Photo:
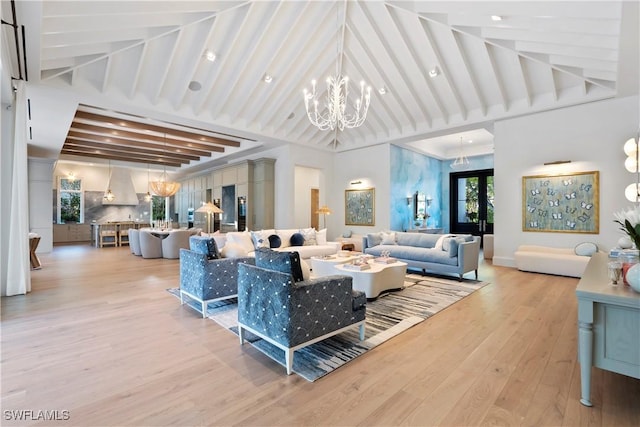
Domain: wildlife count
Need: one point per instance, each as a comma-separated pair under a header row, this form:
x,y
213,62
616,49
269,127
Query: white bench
x,y
544,259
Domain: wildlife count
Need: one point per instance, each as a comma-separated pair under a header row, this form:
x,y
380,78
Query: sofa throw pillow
x,y
285,236
388,238
242,238
451,244
321,237
233,250
441,239
284,262
309,235
586,249
374,239
274,241
297,239
260,239
204,245
346,234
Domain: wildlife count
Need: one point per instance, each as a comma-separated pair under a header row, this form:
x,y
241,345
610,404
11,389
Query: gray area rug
x,y
387,316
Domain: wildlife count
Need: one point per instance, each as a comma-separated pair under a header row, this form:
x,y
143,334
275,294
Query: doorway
x,y
315,205
472,202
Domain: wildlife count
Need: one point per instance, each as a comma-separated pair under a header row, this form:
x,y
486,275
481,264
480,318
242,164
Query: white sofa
x,y
544,259
244,243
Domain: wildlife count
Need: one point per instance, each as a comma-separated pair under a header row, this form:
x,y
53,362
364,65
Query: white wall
x,y
591,136
305,180
40,196
95,177
372,166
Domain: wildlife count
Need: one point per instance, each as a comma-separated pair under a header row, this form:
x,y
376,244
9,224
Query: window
x,y
158,206
70,200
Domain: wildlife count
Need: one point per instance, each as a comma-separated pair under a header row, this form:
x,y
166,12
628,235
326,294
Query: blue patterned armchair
x,y
276,304
205,278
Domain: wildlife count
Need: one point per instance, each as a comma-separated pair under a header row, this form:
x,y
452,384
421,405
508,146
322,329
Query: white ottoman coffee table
x,y
378,278
325,266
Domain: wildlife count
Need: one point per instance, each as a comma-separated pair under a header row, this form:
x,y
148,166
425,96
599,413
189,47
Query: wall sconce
x,y
355,182
557,162
429,200
409,201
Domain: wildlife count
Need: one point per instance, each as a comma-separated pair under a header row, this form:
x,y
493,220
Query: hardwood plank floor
x,y
101,338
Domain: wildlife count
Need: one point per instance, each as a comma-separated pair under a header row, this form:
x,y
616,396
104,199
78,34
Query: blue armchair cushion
x,y
275,241
209,279
204,245
284,262
297,239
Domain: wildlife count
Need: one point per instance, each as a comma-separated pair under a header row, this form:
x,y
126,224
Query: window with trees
x,y
70,200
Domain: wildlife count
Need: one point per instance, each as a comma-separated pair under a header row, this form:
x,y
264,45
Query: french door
x,y
471,202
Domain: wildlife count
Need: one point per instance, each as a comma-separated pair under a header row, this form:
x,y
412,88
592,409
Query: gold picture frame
x,y
566,203
360,207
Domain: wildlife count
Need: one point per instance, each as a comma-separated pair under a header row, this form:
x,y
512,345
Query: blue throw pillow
x,y
284,262
204,245
274,241
297,239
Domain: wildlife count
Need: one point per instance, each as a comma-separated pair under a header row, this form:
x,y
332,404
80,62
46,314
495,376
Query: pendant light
x,y
109,196
461,162
147,197
163,187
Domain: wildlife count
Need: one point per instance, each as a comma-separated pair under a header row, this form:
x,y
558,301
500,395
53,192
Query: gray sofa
x,y
436,253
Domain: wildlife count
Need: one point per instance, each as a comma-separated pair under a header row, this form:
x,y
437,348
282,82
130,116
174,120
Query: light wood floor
x,y
99,336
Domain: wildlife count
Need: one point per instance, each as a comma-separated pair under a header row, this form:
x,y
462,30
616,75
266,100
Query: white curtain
x,y
18,267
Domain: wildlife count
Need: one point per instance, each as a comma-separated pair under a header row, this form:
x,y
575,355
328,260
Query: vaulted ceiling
x,y
446,67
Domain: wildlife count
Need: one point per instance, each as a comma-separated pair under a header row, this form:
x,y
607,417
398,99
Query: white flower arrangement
x,y
629,221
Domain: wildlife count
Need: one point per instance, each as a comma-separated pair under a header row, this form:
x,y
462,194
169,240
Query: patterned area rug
x,y
387,316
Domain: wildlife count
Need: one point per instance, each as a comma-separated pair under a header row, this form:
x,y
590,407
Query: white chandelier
x,y
336,115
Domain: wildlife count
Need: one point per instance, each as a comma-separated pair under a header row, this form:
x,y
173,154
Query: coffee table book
x,y
385,260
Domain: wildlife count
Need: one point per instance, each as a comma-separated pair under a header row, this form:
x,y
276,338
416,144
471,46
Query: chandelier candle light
x,y
336,115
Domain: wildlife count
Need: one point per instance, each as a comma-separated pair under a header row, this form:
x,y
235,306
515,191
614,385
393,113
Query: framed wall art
x,y
567,203
359,207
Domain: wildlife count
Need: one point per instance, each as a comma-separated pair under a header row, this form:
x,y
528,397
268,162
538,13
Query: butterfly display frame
x,y
360,207
566,203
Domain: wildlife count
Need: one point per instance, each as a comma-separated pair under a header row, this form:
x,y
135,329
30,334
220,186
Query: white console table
x,y
608,325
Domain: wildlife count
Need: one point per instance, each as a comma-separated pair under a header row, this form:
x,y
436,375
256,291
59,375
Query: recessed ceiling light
x,y
470,141
195,85
496,18
382,90
434,72
268,78
210,55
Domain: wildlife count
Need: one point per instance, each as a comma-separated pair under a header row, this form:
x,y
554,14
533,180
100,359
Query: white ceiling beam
x,y
162,74
470,74
375,60
138,74
192,64
265,17
383,37
105,79
524,80
222,63
547,37
496,75
443,67
304,54
253,85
